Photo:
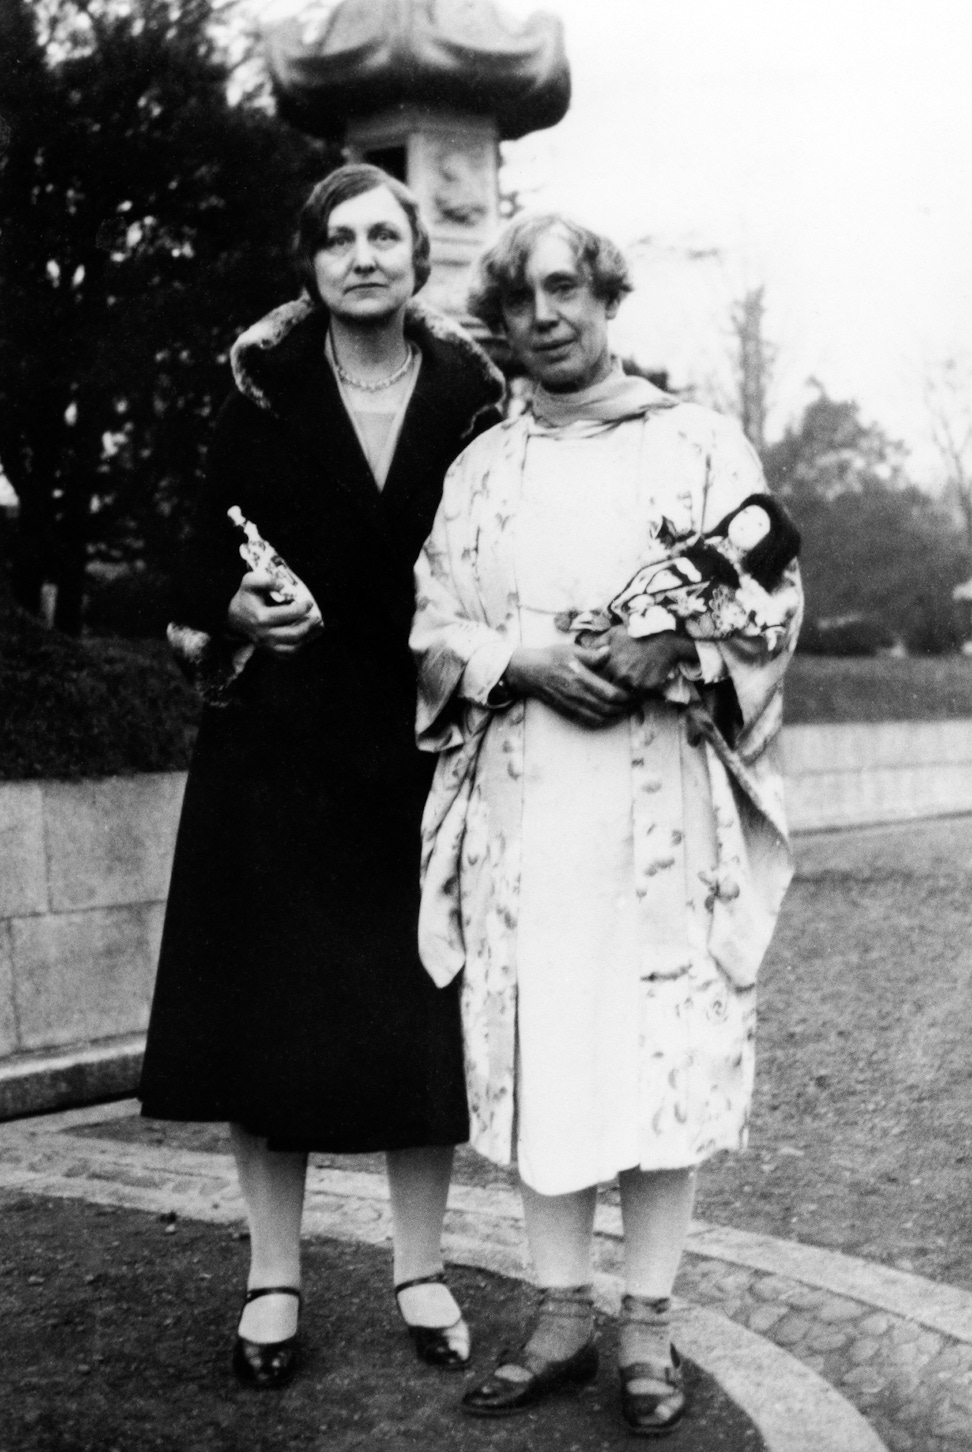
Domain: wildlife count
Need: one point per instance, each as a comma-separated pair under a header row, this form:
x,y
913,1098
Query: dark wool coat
x,y
290,996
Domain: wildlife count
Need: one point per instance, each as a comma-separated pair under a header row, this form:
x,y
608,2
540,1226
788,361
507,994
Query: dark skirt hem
x,y
316,1141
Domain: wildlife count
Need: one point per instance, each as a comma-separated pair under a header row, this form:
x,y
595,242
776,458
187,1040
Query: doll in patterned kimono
x,y
707,586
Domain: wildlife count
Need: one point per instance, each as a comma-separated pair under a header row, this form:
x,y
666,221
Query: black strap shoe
x,y
536,1374
501,1396
267,1365
655,1410
437,1345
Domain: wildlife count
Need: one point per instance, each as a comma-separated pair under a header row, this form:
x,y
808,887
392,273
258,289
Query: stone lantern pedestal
x,y
451,163
426,89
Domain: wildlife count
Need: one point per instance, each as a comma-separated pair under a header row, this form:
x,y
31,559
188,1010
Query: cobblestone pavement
x,y
898,1347
913,1384
825,1352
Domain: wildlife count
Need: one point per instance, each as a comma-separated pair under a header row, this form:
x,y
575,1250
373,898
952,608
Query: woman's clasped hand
x,y
595,685
644,666
569,679
280,628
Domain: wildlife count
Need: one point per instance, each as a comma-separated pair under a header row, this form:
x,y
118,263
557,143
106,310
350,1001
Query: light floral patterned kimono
x,y
704,858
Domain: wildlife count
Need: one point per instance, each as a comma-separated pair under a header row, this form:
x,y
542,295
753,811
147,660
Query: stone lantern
x,y
426,89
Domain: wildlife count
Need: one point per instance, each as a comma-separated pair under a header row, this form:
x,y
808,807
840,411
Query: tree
x,y
948,394
25,108
754,365
875,548
145,221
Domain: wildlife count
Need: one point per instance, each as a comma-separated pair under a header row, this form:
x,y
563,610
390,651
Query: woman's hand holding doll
x,y
642,665
279,628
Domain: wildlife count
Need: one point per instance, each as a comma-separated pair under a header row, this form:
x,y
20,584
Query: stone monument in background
x,y
426,89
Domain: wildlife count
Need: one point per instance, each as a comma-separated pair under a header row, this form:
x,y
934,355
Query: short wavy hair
x,y
502,269
354,180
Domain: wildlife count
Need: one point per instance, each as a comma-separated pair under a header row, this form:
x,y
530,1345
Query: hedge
x,y
92,707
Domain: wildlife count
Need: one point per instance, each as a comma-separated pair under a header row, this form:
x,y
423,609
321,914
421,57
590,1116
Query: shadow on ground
x,y
119,1331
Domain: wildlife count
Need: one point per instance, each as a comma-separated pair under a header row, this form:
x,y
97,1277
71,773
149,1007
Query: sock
x,y
565,1323
645,1332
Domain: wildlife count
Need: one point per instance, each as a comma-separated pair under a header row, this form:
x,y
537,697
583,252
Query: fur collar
x,y
256,352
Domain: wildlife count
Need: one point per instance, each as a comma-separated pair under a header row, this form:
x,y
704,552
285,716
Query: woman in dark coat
x,y
290,999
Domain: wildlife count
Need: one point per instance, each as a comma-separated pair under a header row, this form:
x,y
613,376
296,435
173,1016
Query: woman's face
x,y
556,326
747,528
364,268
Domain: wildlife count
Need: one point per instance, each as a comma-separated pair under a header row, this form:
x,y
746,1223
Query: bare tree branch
x,y
754,365
948,398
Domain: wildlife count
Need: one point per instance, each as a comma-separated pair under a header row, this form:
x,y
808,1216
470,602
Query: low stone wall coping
x,y
863,746
862,774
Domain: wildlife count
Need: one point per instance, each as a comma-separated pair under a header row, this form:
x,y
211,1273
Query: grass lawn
x,y
878,688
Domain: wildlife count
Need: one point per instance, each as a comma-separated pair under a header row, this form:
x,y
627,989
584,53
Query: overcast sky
x,y
820,149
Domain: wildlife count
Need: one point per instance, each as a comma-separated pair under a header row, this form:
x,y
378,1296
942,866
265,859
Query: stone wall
x,y
856,775
84,869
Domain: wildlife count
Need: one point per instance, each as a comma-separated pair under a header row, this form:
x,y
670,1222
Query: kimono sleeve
x,y
755,668
450,630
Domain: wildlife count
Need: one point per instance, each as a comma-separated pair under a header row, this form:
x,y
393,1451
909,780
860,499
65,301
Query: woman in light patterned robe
x,y
605,851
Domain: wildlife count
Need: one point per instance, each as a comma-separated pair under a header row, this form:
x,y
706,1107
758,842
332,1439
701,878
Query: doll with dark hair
x,y
707,586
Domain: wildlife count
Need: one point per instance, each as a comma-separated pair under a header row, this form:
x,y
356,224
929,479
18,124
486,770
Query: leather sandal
x,y
503,1396
266,1365
432,1343
654,1412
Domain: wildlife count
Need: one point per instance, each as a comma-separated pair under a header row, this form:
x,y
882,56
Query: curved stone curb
x,y
795,1409
947,1309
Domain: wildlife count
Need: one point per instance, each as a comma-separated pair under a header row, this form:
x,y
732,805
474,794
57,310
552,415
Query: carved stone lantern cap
x,y
331,62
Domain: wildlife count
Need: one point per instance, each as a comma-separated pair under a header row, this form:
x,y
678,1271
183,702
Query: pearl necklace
x,y
382,383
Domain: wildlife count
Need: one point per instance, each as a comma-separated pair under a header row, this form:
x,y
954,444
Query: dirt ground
x,y
118,1337
863,1106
